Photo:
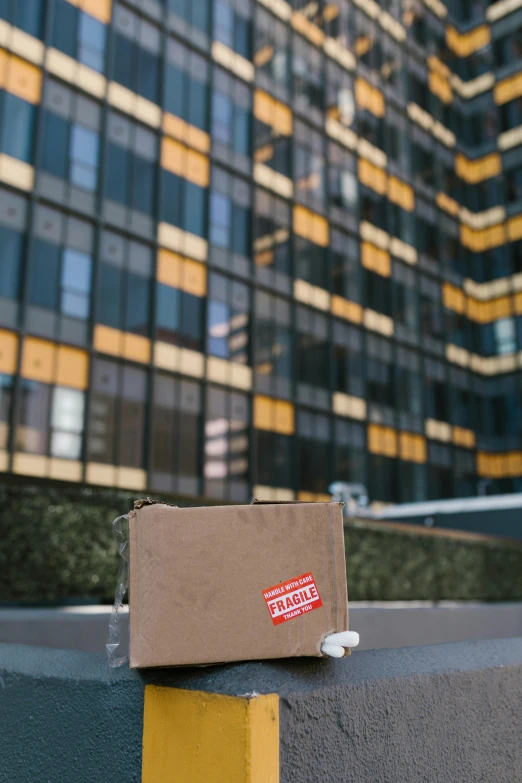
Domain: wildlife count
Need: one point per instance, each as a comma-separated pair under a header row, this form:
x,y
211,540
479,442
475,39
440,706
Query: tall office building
x,y
252,247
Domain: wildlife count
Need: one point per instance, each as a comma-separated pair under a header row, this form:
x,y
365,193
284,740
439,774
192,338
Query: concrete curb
x,y
439,713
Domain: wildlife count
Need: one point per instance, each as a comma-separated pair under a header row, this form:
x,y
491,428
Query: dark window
x,y
117,415
228,319
309,166
271,233
11,245
130,177
227,464
313,449
273,355
230,216
186,85
6,394
345,267
350,451
124,285
26,15
18,126
176,433
78,35
348,359
312,355
232,26
274,459
195,14
135,60
272,50
307,68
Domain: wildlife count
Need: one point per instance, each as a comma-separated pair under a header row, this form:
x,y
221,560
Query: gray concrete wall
x,y
435,714
65,717
379,624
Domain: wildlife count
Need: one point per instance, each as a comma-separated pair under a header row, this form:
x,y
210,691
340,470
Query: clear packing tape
x,y
120,528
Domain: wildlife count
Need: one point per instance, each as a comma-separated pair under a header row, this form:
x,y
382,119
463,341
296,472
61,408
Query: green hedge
x,y
56,545
390,565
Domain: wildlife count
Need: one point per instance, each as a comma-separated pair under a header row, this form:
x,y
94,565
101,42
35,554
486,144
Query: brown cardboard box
x,y
234,583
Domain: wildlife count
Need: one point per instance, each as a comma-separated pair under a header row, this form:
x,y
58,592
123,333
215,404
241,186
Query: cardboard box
x,y
234,583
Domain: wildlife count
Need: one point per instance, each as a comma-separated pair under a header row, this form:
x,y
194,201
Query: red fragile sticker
x,y
292,598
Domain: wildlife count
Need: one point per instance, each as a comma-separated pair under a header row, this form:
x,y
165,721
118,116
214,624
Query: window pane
x,y
137,306
76,270
54,145
67,410
194,208
10,252
117,181
18,122
91,36
109,309
33,427
84,145
218,328
44,275
63,34
6,390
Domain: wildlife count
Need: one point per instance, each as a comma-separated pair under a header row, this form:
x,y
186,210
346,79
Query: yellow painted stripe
x,y
197,737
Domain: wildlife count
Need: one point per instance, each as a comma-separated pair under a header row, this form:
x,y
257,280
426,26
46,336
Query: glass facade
x,y
251,247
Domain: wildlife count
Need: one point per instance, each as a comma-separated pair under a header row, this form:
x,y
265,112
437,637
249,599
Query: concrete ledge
x,y
440,713
386,624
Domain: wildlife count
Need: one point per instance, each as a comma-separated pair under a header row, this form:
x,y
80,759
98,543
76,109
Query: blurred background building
x,y
250,248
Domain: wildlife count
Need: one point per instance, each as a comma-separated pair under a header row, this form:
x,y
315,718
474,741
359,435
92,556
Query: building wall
x,y
249,248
